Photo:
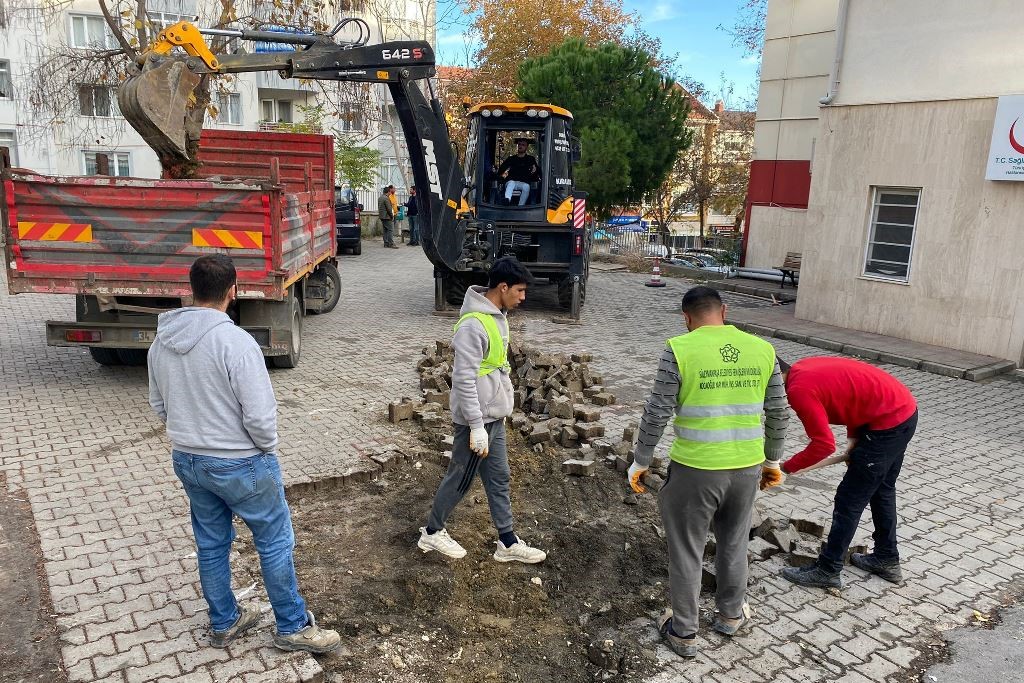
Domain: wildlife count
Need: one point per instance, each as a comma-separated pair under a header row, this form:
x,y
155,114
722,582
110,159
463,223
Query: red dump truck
x,y
123,246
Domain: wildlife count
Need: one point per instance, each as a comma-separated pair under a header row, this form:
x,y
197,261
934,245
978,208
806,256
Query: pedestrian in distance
x,y
386,211
715,383
412,210
208,383
481,400
880,415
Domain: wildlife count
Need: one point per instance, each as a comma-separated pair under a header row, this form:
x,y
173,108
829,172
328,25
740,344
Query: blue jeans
x,y
414,231
250,488
870,479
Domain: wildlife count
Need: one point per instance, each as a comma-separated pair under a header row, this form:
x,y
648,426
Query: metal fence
x,y
628,241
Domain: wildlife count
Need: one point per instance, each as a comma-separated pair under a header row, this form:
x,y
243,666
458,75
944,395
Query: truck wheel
x,y
571,297
133,357
455,289
295,347
439,302
104,356
332,286
358,249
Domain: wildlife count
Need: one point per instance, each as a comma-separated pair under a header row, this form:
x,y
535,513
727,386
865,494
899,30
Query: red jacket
x,y
842,391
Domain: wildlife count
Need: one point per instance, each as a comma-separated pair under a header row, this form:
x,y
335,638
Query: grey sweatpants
x,y
691,502
462,470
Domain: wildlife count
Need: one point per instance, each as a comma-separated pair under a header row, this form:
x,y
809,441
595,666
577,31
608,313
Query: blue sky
x,y
687,29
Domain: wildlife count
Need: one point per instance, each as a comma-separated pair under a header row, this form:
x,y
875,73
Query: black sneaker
x,y
890,571
812,576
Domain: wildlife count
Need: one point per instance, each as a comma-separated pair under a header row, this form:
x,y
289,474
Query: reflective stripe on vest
x,y
723,375
497,351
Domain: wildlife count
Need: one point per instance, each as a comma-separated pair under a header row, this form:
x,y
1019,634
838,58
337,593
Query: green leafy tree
x,y
353,163
628,116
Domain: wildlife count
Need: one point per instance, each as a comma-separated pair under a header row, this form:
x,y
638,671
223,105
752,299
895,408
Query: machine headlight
x,y
485,112
497,112
544,113
532,113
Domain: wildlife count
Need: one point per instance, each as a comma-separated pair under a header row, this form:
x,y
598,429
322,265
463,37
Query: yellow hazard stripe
x,y
227,239
54,232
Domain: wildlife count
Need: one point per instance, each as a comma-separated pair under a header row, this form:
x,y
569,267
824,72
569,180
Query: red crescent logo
x,y
1013,142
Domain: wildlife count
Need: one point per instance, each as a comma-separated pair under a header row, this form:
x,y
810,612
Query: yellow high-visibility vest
x,y
497,349
723,375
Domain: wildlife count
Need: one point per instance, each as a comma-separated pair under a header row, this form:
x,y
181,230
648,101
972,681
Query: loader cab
x,y
518,162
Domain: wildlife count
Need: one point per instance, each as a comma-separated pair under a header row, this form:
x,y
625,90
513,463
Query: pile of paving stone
x,y
799,540
558,402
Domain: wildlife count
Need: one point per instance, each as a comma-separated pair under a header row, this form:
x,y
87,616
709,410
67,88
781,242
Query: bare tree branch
x,y
115,30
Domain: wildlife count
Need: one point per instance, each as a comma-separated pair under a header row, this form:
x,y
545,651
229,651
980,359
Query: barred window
x,y
891,240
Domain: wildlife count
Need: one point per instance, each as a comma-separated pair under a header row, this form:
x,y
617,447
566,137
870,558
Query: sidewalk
x,y
781,322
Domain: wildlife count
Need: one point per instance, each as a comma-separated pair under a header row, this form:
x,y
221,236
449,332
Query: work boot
x,y
812,576
442,542
888,570
248,617
519,552
684,647
310,639
729,627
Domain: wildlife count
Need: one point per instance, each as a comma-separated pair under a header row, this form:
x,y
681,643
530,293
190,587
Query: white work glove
x,y
633,478
479,442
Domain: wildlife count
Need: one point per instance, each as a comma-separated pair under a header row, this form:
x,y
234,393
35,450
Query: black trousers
x,y
870,479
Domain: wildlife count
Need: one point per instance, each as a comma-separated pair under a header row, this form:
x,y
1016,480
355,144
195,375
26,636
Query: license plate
x,y
144,336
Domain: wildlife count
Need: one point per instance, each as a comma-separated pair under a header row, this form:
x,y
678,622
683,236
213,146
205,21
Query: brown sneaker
x,y
684,647
310,639
248,617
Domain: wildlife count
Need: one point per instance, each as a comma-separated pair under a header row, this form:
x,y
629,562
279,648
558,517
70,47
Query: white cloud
x,y
663,11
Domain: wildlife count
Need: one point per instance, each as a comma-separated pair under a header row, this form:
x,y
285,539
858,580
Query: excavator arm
x,y
156,101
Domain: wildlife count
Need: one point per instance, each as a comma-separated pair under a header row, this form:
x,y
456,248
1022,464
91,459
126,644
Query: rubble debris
x,y
580,468
809,526
708,580
399,411
760,549
710,546
803,555
786,538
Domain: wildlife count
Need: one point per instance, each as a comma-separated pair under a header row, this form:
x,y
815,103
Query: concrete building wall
x,y
967,263
779,231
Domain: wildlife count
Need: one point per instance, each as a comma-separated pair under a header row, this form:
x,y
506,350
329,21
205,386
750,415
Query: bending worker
x,y
880,415
717,381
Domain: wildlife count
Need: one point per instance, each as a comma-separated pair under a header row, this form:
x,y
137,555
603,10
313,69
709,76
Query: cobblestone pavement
x,y
80,439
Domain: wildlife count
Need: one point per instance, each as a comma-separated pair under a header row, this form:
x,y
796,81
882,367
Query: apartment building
x,y
83,132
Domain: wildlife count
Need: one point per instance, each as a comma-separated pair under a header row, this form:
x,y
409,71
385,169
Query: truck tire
x,y
455,289
133,357
104,356
358,249
295,347
332,283
565,293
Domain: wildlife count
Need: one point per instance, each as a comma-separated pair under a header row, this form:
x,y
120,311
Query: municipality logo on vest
x,y
730,354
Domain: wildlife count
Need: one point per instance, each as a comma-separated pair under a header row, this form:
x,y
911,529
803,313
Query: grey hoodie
x,y
478,400
208,381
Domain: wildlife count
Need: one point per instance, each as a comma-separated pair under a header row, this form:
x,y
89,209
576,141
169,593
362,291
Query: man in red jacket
x,y
880,415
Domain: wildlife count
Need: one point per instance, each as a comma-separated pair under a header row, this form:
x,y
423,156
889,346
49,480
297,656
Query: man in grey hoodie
x,y
481,399
208,382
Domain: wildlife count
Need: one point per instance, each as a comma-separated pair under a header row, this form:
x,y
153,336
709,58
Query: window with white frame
x,y
106,163
9,140
350,118
91,31
161,20
276,111
229,107
97,100
891,238
6,86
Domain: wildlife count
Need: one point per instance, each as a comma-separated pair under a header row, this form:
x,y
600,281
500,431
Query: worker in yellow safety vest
x,y
481,398
716,383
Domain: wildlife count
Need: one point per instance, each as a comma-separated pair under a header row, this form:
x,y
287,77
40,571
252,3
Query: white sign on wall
x,y
1006,152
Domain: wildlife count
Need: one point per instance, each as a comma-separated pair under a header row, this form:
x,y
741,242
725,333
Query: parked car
x,y
346,220
702,261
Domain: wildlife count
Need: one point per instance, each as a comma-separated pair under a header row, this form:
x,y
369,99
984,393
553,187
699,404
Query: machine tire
x,y
133,357
333,284
358,249
103,356
295,348
565,293
455,289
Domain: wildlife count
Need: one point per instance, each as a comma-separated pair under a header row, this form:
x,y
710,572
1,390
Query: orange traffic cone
x,y
655,280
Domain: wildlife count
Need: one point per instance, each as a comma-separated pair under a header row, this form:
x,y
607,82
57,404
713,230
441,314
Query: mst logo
x,y
730,354
433,177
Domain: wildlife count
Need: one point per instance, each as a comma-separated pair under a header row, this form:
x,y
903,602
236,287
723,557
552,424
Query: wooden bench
x,y
790,267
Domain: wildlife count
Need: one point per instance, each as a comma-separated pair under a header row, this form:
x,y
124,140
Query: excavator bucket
x,y
156,102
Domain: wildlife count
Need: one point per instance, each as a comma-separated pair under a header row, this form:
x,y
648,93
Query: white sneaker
x,y
442,542
519,552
